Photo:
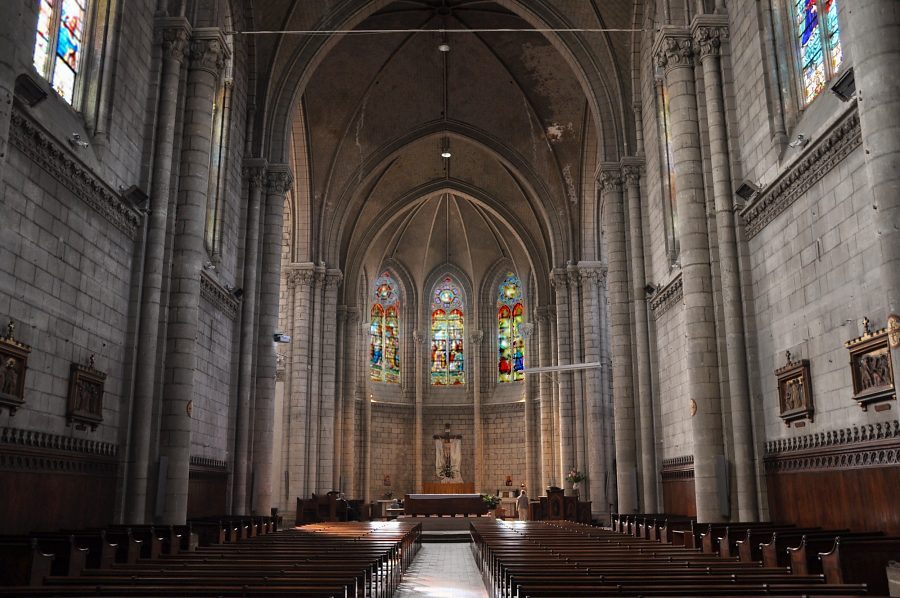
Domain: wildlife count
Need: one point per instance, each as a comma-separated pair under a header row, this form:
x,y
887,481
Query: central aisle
x,y
443,571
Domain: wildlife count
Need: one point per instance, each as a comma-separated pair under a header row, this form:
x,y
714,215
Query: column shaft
x,y
331,282
532,429
315,384
478,443
351,352
339,398
174,35
254,172
12,18
546,392
610,183
564,351
208,52
420,340
675,55
300,280
575,323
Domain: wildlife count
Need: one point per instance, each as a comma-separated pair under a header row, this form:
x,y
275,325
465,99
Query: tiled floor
x,y
443,571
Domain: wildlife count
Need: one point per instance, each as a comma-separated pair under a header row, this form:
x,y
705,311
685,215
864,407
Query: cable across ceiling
x,y
441,31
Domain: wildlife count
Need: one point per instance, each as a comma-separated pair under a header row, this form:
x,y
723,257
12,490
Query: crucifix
x,y
446,443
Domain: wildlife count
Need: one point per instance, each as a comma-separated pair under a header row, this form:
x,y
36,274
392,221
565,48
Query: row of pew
x,y
340,560
560,558
840,555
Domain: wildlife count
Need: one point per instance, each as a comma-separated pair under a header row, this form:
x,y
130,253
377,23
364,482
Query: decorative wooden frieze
x,y
820,159
873,445
33,451
677,468
795,399
199,463
218,296
60,163
13,365
85,404
871,368
669,295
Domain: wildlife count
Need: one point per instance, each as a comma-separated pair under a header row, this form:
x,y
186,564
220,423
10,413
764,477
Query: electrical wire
x,y
442,31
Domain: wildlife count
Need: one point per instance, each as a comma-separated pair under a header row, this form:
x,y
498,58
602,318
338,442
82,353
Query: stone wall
x,y
461,422
392,454
503,427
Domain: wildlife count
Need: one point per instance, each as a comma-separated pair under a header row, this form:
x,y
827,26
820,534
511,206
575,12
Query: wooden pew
x,y
22,563
861,560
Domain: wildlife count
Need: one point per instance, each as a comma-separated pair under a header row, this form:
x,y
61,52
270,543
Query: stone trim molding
x,y
199,463
677,468
33,451
218,296
41,148
820,159
667,296
871,445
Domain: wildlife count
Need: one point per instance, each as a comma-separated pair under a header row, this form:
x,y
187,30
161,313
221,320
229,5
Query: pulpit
x,y
556,506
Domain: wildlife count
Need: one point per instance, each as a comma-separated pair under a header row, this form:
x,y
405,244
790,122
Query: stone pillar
x,y
300,283
532,432
873,37
255,173
709,32
421,340
351,360
278,182
477,338
367,449
591,275
208,52
173,34
674,54
577,356
337,470
13,24
327,408
555,395
314,398
610,184
564,351
631,171
546,393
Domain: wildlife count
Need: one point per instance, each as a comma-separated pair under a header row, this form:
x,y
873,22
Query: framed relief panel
x,y
85,404
795,399
871,369
13,364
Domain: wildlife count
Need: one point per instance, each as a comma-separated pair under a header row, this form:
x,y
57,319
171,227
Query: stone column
x,y
674,54
546,393
314,474
477,337
576,320
873,37
555,395
300,282
255,173
564,351
367,449
532,432
351,353
420,339
327,406
339,398
13,24
174,35
278,183
631,171
208,52
610,184
709,32
591,275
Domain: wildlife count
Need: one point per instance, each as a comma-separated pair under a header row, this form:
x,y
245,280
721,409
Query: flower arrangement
x,y
574,476
490,500
446,471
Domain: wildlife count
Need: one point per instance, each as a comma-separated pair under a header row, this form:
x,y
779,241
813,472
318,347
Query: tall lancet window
x,y
510,320
384,332
818,43
447,327
59,44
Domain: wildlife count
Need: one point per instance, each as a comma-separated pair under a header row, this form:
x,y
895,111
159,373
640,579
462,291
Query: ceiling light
x,y
444,47
446,154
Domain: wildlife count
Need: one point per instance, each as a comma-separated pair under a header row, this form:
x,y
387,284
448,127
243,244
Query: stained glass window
x,y
819,44
58,43
384,332
667,171
447,328
510,320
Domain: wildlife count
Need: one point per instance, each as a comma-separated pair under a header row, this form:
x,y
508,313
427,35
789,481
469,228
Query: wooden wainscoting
x,y
207,488
51,482
679,496
844,478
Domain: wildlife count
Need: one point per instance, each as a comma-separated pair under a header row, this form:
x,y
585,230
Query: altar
x,y
448,488
444,504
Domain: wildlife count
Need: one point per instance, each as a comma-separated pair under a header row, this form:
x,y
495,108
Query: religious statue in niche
x,y
870,367
13,364
794,391
447,456
85,404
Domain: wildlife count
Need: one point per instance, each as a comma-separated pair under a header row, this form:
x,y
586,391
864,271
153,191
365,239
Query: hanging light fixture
x,y
445,148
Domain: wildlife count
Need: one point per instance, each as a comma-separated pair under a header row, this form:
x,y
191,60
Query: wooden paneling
x,y
207,492
679,496
860,499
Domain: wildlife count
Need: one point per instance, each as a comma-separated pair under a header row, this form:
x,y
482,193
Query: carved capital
x,y
477,336
675,51
543,314
300,277
173,34
209,51
419,337
527,330
610,181
254,170
352,315
333,278
278,181
708,41
559,278
574,276
631,174
593,274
